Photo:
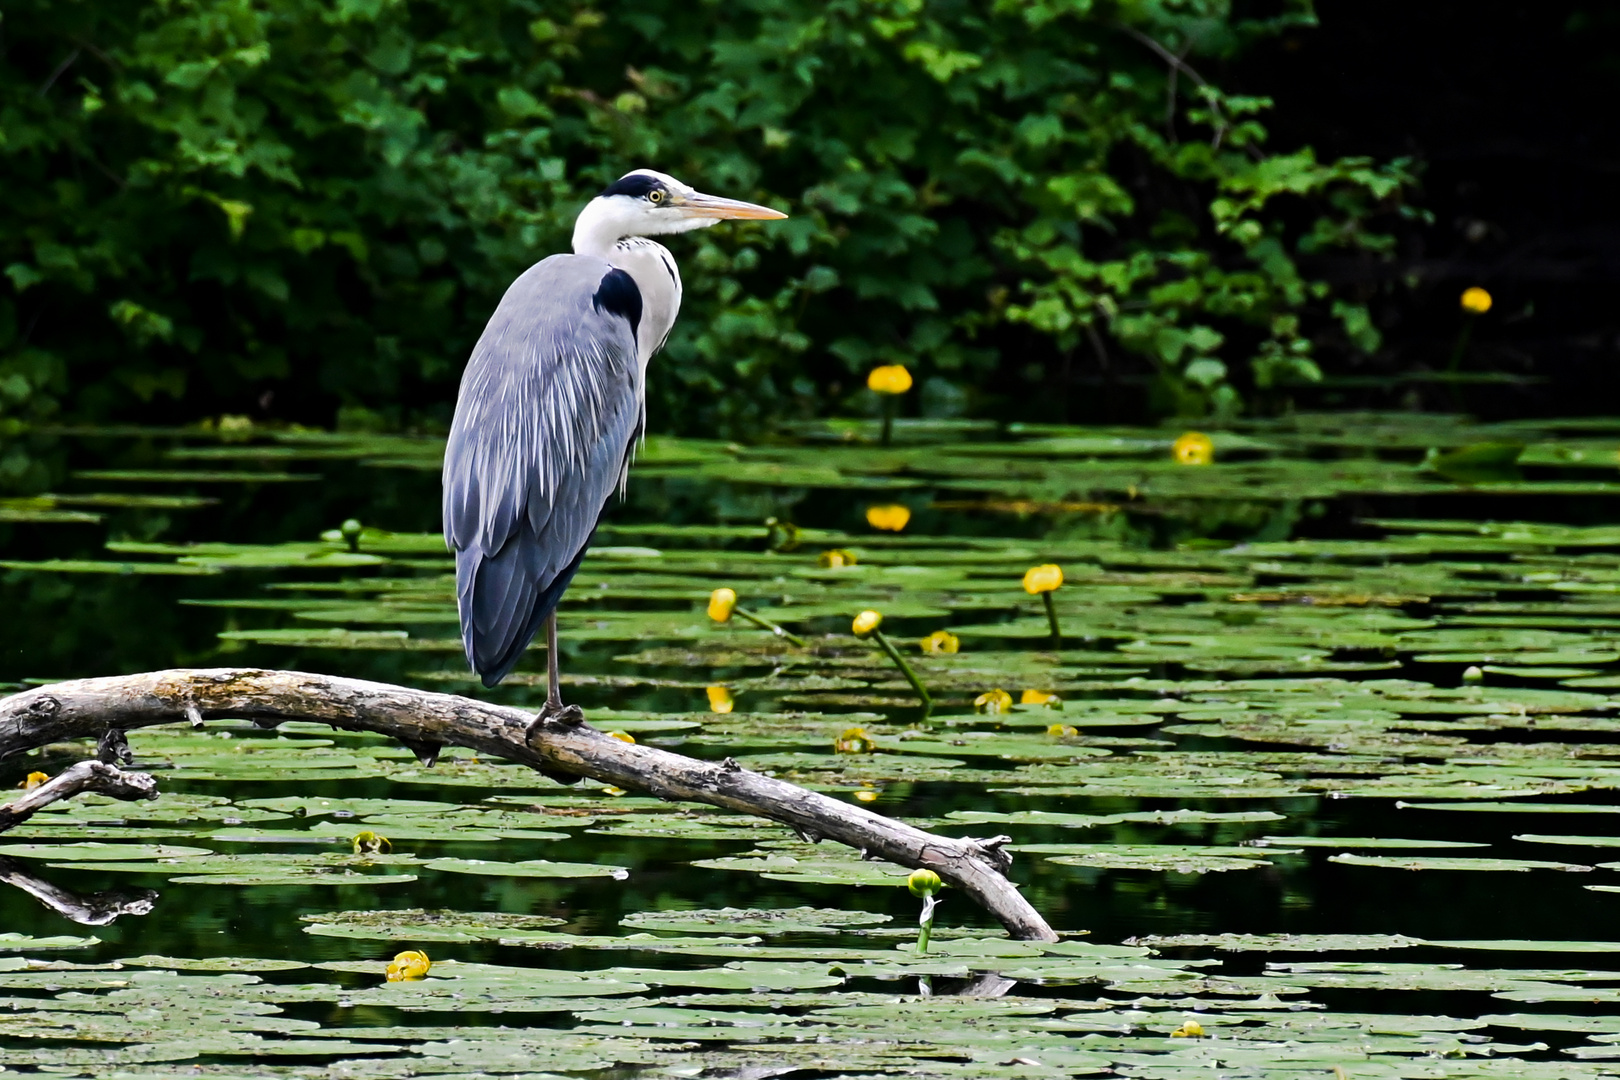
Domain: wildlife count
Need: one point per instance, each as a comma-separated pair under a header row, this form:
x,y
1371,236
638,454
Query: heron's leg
x,y
554,709
553,674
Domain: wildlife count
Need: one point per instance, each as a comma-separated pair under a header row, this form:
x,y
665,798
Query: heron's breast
x,y
652,268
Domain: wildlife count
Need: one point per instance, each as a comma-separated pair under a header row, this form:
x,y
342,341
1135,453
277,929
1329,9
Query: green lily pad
x,y
531,868
1310,943
799,920
1421,862
12,942
94,851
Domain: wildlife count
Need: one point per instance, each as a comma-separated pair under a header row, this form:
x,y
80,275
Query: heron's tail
x,y
504,600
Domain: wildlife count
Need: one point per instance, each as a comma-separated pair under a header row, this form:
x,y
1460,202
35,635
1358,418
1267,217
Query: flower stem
x,y
925,925
766,624
1051,617
1461,346
905,669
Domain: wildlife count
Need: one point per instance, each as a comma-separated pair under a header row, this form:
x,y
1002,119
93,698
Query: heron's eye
x,y
655,196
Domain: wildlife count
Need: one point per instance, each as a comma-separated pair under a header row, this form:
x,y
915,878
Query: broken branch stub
x,y
86,708
76,779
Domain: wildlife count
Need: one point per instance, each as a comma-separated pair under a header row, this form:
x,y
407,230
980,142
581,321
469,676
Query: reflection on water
x,y
1341,697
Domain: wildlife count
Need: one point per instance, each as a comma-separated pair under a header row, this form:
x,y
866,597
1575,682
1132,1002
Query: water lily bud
x,y
1039,697
865,623
1193,448
889,379
1039,579
836,559
721,603
720,700
410,965
1062,731
781,535
350,531
924,883
625,736
941,641
890,518
1475,300
370,843
993,701
1473,674
854,741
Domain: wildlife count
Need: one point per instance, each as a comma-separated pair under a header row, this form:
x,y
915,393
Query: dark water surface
x,y
1389,642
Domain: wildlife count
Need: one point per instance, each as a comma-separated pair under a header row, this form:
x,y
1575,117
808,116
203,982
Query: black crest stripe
x,y
636,185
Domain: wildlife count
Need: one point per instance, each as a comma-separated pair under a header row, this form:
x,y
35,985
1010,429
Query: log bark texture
x,y
85,776
88,708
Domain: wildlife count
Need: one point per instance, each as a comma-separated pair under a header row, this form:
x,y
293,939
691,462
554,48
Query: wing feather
x,y
549,406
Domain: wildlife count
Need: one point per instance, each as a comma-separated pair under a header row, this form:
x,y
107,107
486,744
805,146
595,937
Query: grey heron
x,y
552,404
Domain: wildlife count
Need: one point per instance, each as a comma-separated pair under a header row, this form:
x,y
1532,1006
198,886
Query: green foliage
x,y
211,199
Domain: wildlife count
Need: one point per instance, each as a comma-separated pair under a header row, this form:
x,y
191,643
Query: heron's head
x,y
648,203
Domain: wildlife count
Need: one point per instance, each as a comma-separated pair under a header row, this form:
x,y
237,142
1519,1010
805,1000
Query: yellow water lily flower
x,y
720,700
1475,300
1190,1029
924,883
891,517
1039,697
993,701
410,965
865,623
1062,731
34,780
1042,579
866,796
889,379
370,843
836,559
941,641
1193,448
854,741
721,604
625,736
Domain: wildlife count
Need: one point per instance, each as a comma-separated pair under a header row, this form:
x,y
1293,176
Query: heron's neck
x,y
598,227
607,220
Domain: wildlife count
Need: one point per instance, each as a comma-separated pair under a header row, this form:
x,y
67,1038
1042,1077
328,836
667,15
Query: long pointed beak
x,y
699,205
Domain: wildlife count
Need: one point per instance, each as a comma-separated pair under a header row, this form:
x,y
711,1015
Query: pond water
x,y
1328,766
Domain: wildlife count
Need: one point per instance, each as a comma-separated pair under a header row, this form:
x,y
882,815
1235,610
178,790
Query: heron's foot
x,y
566,715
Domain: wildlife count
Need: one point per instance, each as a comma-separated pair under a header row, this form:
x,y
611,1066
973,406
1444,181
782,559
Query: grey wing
x,y
550,406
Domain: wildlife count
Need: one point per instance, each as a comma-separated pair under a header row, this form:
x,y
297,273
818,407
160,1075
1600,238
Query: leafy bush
x,y
302,205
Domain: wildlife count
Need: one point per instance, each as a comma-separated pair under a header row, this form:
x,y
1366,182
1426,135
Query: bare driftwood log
x,y
89,708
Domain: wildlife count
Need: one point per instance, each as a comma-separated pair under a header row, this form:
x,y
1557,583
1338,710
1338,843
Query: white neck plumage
x,y
607,219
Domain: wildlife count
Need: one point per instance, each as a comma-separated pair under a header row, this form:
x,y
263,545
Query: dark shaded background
x,y
1509,112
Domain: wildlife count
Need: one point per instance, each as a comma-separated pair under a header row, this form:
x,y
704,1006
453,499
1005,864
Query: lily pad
x,y
1422,862
799,920
531,868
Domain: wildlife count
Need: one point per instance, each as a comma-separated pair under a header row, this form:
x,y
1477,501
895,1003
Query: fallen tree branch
x,y
87,708
85,776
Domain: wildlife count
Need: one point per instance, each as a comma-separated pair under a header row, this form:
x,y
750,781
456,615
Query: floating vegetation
x,y
1259,748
